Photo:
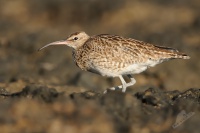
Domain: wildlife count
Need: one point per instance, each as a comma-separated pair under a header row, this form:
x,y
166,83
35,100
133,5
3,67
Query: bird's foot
x,y
113,89
123,86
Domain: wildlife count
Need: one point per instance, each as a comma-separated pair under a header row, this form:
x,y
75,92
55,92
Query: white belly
x,y
131,69
138,68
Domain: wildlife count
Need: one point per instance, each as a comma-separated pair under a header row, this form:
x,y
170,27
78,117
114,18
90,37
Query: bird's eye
x,y
75,38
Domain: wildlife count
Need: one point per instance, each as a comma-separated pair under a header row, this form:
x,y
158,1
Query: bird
x,y
116,56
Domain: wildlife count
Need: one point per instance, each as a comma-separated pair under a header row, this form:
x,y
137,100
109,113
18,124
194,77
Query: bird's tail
x,y
173,53
179,55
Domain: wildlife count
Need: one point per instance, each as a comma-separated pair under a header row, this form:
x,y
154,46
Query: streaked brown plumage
x,y
115,56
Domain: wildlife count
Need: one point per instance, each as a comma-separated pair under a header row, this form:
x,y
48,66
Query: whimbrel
x,y
116,56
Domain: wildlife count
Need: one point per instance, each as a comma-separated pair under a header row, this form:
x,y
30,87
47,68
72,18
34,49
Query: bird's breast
x,y
81,59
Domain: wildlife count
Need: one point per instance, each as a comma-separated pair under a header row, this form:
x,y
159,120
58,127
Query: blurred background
x,y
26,26
38,89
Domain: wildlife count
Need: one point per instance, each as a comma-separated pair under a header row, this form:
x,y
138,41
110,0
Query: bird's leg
x,y
118,87
124,84
133,81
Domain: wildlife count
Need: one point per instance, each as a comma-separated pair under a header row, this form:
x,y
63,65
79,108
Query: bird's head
x,y
75,40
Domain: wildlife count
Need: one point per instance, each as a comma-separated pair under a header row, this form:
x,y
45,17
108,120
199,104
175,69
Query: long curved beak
x,y
61,42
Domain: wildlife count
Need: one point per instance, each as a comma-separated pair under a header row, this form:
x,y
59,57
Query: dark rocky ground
x,y
45,92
